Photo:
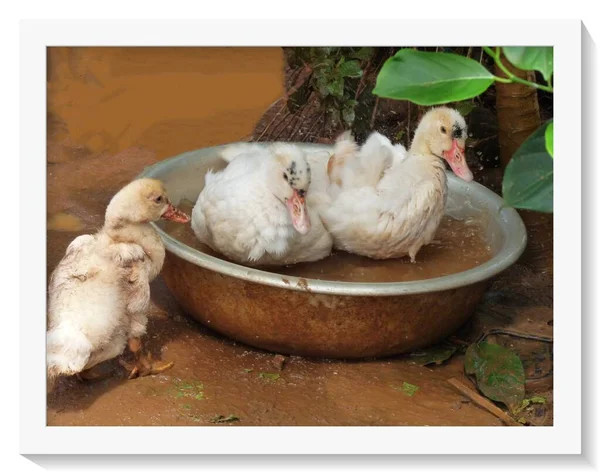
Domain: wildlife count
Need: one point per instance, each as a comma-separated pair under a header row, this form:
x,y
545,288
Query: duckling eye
x,y
285,176
443,129
159,199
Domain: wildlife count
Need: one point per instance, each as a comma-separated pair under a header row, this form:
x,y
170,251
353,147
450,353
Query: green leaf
x,y
550,139
527,402
528,177
499,372
437,354
322,82
406,388
464,108
350,69
269,376
348,115
336,87
428,78
409,389
363,53
539,58
399,135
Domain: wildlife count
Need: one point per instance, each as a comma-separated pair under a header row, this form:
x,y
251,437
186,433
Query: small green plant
x,y
435,78
333,74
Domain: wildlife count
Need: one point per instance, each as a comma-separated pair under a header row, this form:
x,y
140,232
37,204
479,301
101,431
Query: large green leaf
x,y
499,372
529,176
550,139
428,78
539,58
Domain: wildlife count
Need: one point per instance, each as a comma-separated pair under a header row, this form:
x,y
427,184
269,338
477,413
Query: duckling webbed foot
x,y
143,365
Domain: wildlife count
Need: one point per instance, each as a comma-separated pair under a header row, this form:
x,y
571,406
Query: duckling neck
x,y
141,234
420,146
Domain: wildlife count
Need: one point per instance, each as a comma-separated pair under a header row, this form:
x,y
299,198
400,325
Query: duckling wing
x,y
351,167
236,215
87,298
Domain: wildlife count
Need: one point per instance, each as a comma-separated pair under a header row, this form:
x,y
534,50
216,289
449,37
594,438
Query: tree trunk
x,y
518,117
518,112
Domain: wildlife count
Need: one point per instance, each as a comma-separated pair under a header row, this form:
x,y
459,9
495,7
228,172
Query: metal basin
x,y
311,317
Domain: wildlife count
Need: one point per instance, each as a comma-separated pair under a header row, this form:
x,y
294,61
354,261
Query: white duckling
x,y
99,292
387,203
259,210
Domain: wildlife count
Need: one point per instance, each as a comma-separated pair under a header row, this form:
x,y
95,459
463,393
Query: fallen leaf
x,y
538,400
436,354
406,388
269,376
499,373
223,420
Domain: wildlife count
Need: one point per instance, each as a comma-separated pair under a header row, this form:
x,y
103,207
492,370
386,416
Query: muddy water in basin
x,y
459,245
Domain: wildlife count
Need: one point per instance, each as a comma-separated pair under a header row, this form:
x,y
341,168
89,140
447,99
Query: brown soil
x,y
113,111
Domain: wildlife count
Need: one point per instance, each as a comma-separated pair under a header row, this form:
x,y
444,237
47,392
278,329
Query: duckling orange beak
x,y
296,206
174,214
456,159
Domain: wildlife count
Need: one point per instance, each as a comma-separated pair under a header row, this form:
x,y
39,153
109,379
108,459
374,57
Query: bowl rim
x,y
514,244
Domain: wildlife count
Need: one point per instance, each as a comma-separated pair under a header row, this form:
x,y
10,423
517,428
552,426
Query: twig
x,y
282,126
374,113
361,85
483,402
273,120
312,127
298,127
299,81
526,336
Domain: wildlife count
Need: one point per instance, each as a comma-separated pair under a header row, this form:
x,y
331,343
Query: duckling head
x,y
142,201
289,181
443,132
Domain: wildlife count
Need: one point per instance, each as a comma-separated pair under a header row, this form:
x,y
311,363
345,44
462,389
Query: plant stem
x,y
510,76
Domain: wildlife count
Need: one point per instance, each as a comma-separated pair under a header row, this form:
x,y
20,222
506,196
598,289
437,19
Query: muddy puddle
x,y
459,245
113,111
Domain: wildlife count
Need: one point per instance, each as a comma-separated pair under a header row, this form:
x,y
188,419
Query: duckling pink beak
x,y
456,159
174,214
296,206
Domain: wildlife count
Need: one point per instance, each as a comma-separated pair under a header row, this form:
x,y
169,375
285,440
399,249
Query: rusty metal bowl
x,y
312,317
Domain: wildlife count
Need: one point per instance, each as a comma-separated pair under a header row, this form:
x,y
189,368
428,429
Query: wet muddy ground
x,y
113,111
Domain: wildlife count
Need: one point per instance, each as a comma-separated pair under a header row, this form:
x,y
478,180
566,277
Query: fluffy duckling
x,y
259,210
99,292
387,203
